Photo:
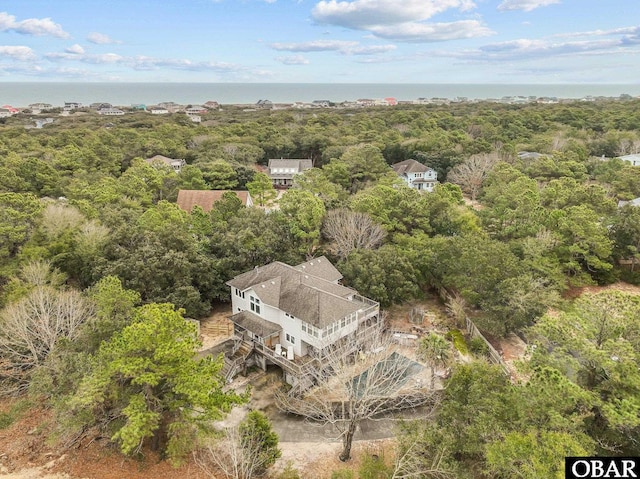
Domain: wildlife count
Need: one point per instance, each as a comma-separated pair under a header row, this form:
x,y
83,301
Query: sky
x,y
326,41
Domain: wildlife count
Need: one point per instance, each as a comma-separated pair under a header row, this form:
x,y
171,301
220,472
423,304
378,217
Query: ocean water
x,y
124,94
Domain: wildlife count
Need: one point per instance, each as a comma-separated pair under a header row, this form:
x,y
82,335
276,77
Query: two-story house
x,y
281,171
416,175
292,315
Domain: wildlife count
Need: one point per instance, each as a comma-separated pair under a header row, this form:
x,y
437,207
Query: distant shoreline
x,y
125,94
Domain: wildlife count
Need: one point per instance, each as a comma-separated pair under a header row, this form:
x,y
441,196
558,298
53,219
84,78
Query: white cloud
x,y
342,46
293,60
75,49
96,59
315,46
20,53
100,39
602,43
143,62
363,14
433,32
31,26
526,5
405,23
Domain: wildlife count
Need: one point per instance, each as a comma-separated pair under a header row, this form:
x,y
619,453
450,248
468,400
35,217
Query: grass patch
x,y
16,411
456,336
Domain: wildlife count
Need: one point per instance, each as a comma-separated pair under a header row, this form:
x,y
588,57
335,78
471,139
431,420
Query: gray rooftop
x,y
310,293
255,324
410,166
296,164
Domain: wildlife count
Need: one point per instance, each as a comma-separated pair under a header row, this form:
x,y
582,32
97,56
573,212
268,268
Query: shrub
x,y
455,335
478,346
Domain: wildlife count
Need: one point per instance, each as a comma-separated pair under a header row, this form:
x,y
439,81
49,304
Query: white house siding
x,y
292,327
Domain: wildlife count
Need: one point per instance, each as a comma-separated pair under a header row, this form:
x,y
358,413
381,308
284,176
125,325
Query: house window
x,y
304,327
418,175
290,339
343,322
255,304
239,293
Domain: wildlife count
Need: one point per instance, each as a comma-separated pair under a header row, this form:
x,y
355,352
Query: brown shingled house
x,y
205,199
288,315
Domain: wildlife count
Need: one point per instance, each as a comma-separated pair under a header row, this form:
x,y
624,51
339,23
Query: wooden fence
x,y
494,355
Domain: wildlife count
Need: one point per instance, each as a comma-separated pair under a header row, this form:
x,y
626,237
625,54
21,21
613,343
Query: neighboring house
x,y
40,106
10,109
139,107
530,155
266,104
196,110
110,112
205,199
100,106
634,160
292,316
176,164
416,175
281,171
71,105
156,110
633,202
212,105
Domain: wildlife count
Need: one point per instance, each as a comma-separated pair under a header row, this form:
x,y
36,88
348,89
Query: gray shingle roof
x,y
410,166
299,292
255,324
320,267
296,164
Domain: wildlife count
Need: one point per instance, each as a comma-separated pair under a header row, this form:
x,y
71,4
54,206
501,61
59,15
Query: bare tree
x,y
243,452
412,463
470,174
359,378
31,327
352,230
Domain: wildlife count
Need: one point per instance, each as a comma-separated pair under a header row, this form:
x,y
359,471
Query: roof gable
x,y
320,267
410,166
298,164
297,291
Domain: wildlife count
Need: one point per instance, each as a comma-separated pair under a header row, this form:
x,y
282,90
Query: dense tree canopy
x,y
507,233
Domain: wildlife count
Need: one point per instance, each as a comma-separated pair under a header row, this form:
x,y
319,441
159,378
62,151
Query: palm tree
x,y
435,350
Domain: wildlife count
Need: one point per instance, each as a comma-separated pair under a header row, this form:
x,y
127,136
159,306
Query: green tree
x,y
257,435
532,455
316,181
386,274
436,351
261,189
596,344
304,212
114,309
357,166
219,174
148,379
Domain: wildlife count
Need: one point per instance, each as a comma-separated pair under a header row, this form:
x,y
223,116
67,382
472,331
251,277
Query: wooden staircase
x,y
233,364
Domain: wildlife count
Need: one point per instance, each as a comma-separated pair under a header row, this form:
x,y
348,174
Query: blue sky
x,y
327,41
